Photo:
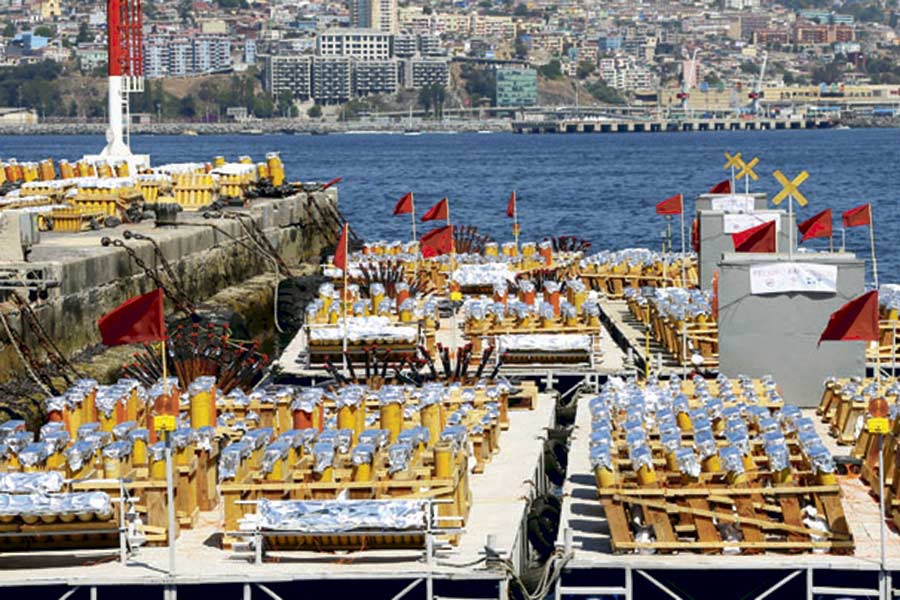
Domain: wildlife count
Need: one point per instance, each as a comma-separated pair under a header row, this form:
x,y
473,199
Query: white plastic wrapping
x,y
339,516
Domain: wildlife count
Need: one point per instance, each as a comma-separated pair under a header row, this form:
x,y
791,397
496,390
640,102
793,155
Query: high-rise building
x,y
375,77
361,14
516,86
291,72
384,16
364,44
332,79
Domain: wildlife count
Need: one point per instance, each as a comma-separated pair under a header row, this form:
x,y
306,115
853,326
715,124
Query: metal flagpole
x,y
344,295
668,232
683,251
882,579
684,285
872,241
515,219
170,501
790,229
412,199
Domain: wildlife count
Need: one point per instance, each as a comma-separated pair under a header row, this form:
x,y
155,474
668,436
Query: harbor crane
x,y
756,93
688,77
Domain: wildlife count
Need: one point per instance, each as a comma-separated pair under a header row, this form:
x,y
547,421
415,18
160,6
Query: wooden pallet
x,y
768,518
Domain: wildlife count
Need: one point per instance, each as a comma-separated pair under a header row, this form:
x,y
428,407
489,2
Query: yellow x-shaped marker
x,y
789,187
748,170
733,161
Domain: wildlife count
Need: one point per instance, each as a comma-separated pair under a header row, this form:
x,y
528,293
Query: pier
x,y
587,125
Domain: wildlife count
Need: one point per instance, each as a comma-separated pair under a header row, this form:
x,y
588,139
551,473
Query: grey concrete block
x,y
777,334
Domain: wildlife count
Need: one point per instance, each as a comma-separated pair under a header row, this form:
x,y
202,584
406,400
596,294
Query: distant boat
x,y
254,132
318,132
842,127
485,131
410,130
189,132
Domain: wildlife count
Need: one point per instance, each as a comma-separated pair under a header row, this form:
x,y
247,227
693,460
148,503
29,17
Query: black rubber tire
x,y
556,460
539,535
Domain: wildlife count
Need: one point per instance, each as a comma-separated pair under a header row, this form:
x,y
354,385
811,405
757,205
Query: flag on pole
x,y
140,319
756,239
439,211
511,206
695,234
671,206
404,206
334,181
858,217
723,187
855,321
817,226
437,241
340,252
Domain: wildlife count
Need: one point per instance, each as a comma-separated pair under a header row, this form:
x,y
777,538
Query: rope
x,y
18,350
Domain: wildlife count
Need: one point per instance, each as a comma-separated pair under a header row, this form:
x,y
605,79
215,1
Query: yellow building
x,y
50,9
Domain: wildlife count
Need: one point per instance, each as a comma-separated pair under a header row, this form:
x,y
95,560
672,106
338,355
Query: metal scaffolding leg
x,y
658,584
775,587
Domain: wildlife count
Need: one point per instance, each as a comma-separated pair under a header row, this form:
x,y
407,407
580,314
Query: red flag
x,y
670,206
857,217
340,252
695,234
856,320
511,206
816,226
723,187
334,181
140,319
439,211
437,241
404,205
756,239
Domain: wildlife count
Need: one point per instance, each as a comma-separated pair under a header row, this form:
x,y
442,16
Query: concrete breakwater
x,y
268,126
206,255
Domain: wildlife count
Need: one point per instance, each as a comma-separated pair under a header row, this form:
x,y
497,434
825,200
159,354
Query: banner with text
x,y
776,278
744,221
734,203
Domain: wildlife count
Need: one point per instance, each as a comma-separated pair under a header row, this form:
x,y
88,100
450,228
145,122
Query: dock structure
x,y
611,125
498,518
594,571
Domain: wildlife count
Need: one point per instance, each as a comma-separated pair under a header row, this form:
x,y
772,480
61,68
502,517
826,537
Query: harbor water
x,y
601,188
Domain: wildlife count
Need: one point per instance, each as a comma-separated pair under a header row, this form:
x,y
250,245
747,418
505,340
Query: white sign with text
x,y
776,278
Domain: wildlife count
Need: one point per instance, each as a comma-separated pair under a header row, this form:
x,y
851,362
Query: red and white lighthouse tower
x,y
125,54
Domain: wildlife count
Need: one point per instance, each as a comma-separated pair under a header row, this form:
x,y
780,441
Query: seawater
x,y
600,187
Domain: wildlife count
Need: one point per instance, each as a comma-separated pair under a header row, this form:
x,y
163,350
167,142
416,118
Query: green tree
x,y
712,79
84,34
263,106
552,70
585,69
605,93
314,112
43,31
521,10
73,109
9,30
187,106
285,104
